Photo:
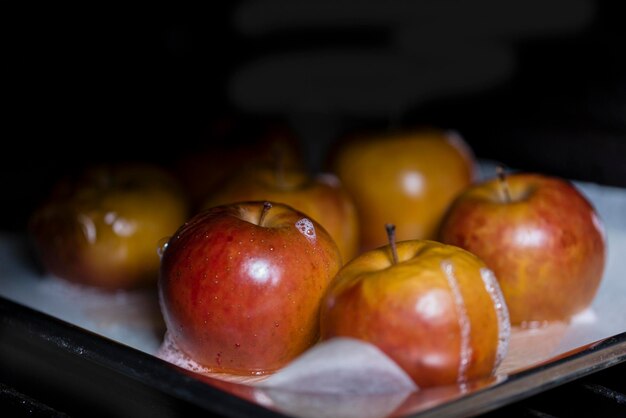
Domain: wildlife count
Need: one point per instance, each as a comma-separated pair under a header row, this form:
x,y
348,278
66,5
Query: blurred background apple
x,y
407,178
103,227
321,197
232,142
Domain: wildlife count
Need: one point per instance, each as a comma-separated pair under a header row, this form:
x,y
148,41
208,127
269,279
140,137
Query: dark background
x,y
102,84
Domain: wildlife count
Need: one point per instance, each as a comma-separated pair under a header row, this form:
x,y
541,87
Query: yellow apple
x,y
406,178
103,227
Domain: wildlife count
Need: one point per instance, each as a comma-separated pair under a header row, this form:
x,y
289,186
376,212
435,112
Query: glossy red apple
x,y
241,286
542,238
102,228
321,196
435,309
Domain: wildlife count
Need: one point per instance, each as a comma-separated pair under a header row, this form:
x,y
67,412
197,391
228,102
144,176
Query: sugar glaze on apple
x,y
502,314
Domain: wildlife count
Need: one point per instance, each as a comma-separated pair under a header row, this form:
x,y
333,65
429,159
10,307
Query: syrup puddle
x,y
169,351
529,346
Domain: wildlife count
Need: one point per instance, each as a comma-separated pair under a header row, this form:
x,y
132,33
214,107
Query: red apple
x,y
241,286
233,142
407,178
542,238
103,227
437,310
321,197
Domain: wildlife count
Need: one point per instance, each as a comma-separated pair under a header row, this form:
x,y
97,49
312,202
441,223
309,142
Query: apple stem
x,y
266,207
504,185
391,235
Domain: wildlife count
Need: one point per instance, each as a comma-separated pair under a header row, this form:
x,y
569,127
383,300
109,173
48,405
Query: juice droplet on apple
x,y
305,226
502,313
162,246
464,323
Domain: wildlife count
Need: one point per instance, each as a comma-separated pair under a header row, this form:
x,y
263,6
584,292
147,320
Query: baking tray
x,y
54,332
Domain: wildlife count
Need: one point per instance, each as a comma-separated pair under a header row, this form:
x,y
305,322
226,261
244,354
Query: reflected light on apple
x,y
260,271
597,223
432,305
88,228
123,227
413,183
120,226
529,237
435,360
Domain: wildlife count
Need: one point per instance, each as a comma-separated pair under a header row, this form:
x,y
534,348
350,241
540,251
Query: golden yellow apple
x,y
406,178
103,228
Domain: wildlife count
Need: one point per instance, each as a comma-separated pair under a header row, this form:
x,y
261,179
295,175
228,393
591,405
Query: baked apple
x,y
322,197
102,227
241,285
232,143
435,309
406,178
542,238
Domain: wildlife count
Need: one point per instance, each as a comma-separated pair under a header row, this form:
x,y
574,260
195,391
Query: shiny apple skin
x,y
409,310
103,227
405,178
322,197
546,247
244,298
